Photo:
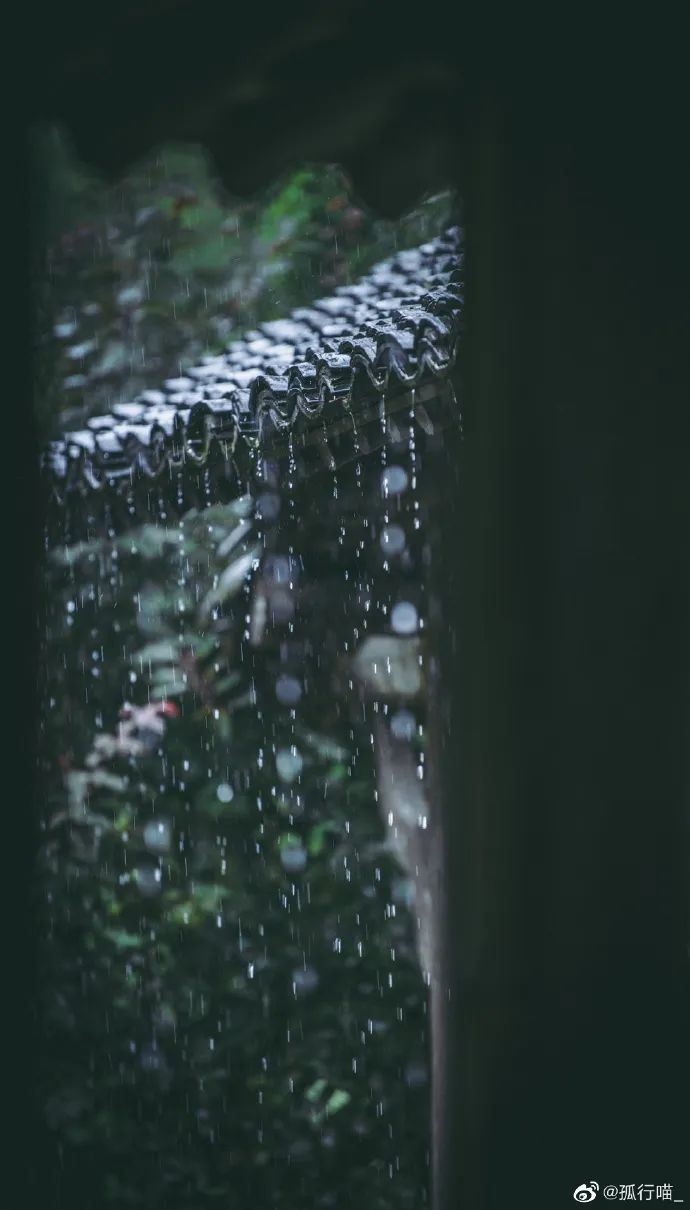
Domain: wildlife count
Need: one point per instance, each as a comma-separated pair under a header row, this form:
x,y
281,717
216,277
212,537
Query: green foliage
x,y
136,281
218,924
231,998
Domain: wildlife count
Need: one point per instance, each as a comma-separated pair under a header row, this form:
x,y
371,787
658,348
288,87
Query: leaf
x,y
114,358
124,940
230,583
243,506
207,255
322,744
68,556
226,683
337,773
80,351
242,699
224,727
208,896
201,645
315,1090
79,783
337,1100
168,673
289,840
238,533
161,693
184,913
150,540
156,652
317,837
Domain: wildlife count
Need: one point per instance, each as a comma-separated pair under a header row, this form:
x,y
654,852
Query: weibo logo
x,y
586,1193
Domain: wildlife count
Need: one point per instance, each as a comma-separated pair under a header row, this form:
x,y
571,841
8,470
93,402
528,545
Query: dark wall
x,y
568,595
567,781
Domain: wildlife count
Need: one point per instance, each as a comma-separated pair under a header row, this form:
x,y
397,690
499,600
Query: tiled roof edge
x,y
398,326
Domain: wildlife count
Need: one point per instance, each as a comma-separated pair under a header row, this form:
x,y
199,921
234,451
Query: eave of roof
x,y
396,327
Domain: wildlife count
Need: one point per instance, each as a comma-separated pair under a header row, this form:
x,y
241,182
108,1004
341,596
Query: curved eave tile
x,y
396,327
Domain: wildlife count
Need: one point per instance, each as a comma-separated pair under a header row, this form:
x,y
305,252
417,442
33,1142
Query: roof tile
x,y
400,323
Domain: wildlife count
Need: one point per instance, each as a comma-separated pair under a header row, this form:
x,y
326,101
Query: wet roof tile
x,y
400,323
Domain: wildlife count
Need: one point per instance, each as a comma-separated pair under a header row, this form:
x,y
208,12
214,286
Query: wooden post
x,y
566,672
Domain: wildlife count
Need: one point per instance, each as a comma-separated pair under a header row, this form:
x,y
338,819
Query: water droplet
x,y
158,836
277,569
394,480
164,1018
282,606
304,980
300,1149
148,880
392,539
416,1075
288,690
403,725
289,763
293,858
404,618
224,792
268,506
151,1059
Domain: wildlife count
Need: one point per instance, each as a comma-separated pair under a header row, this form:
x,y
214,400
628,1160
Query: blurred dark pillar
x,y
568,596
